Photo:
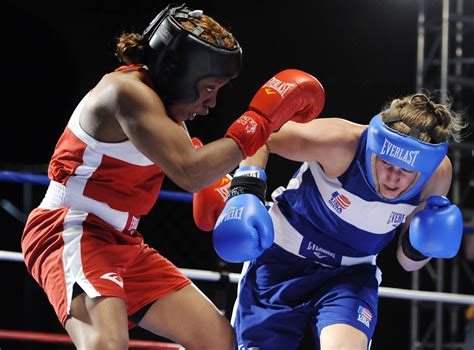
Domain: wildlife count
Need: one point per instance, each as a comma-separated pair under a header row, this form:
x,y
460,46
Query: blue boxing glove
x,y
435,231
244,228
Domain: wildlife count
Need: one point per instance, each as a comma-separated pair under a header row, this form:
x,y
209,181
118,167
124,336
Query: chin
x,y
390,195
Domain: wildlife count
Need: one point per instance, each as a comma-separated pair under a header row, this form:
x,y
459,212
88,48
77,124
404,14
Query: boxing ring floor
x,y
222,278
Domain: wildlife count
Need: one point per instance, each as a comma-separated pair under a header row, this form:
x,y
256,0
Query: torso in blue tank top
x,y
332,219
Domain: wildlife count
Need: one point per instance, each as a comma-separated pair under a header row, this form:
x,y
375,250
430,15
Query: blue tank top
x,y
340,221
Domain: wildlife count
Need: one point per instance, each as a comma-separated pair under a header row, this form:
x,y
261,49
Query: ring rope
x,y
55,338
23,177
26,177
387,292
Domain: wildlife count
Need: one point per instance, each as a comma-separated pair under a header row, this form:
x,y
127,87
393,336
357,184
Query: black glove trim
x,y
248,184
410,251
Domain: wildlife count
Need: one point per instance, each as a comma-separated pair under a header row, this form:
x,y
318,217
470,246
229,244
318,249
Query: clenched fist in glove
x,y
244,228
290,95
435,231
209,202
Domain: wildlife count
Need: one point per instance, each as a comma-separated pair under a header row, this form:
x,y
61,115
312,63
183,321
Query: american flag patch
x,y
365,312
365,316
339,202
343,201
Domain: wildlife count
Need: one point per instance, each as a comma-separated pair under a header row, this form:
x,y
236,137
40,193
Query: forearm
x,y
206,165
259,159
407,263
408,257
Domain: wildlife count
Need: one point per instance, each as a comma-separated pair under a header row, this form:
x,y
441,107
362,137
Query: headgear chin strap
x,y
402,151
179,58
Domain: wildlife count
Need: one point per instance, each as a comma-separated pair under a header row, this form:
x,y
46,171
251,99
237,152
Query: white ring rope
x,y
387,292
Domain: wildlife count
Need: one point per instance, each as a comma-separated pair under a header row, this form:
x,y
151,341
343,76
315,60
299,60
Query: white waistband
x,y
291,240
59,196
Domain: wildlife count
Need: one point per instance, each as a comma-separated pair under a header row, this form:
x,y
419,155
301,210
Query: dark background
x,y
363,52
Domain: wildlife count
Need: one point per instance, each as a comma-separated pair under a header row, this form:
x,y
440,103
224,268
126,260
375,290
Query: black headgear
x,y
179,58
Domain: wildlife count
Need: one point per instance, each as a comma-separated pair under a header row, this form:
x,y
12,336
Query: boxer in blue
x,y
311,258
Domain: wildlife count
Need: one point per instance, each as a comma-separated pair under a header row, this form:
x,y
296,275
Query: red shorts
x,y
65,246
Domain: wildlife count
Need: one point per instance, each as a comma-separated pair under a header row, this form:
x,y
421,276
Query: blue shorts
x,y
281,293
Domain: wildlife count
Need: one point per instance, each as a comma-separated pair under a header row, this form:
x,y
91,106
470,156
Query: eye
x,y
406,171
210,88
388,166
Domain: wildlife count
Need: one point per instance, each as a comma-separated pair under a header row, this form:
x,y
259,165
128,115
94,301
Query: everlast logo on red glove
x,y
223,191
209,202
280,86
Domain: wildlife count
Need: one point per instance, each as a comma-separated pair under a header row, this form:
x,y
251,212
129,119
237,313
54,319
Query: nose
x,y
393,176
211,101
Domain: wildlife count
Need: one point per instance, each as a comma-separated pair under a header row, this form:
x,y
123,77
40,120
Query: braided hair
x,y
422,117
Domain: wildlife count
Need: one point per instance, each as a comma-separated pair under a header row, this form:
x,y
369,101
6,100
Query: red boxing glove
x,y
290,95
209,202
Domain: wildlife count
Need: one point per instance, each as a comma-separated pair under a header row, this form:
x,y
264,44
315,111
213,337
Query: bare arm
x,y
259,159
320,140
143,118
438,185
332,142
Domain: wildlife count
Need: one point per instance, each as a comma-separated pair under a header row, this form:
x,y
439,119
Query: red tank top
x,y
116,175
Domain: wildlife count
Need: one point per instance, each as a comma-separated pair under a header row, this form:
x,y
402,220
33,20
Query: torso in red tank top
x,y
116,174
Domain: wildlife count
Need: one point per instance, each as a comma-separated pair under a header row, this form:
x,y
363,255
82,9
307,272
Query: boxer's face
x,y
207,90
392,180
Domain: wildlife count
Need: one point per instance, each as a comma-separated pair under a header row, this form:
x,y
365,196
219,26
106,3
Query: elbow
x,y
187,182
188,176
190,171
190,186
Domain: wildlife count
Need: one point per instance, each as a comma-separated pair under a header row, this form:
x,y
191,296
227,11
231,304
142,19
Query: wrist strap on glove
x,y
250,185
410,251
250,180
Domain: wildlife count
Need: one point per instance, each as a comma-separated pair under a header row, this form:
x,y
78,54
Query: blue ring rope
x,y
23,177
12,176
